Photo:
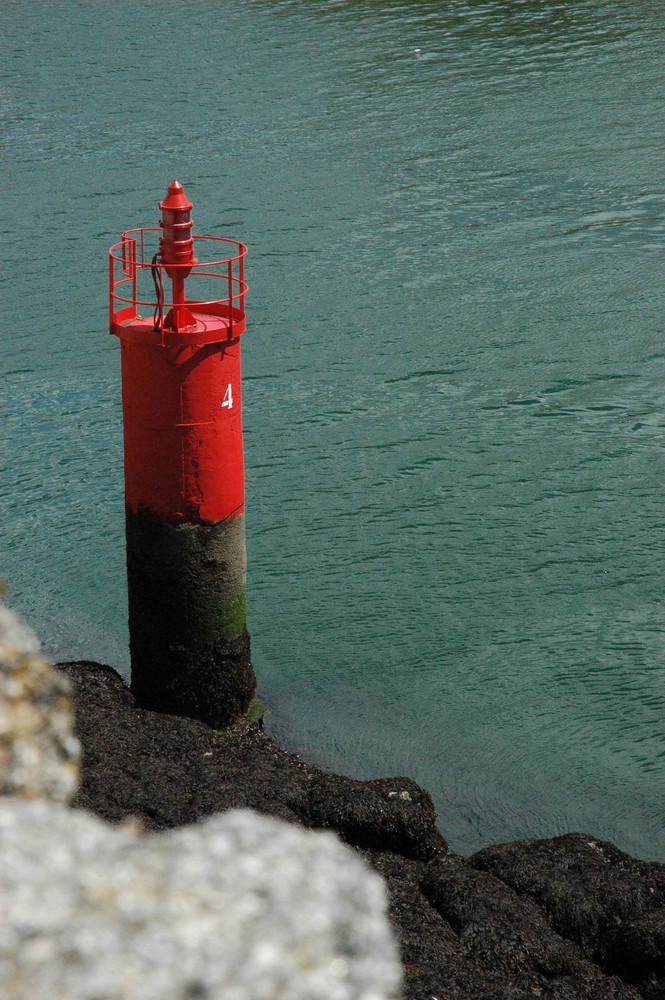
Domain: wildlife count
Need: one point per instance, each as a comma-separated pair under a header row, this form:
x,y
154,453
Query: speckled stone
x,y
39,754
239,907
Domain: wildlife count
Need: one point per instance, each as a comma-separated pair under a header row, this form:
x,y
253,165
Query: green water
x,y
454,372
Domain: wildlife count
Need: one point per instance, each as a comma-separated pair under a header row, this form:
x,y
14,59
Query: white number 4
x,y
228,398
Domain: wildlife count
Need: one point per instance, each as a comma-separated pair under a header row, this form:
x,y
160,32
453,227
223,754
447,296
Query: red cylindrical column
x,y
184,473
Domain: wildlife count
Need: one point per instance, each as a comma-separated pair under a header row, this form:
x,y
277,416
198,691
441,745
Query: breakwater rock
x,y
570,918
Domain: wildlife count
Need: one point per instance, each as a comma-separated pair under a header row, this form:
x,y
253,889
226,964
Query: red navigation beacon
x,y
177,305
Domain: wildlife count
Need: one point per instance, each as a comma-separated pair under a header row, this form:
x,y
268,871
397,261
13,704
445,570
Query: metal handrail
x,y
125,255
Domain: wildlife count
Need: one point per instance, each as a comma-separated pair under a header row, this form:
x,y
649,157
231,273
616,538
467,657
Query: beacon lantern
x,y
177,306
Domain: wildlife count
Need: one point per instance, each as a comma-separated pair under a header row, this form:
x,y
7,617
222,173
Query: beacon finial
x,y
176,200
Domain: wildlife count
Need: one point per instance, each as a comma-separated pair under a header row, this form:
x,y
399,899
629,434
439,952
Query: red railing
x,y
137,281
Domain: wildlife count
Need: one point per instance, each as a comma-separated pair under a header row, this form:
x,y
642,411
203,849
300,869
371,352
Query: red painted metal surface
x,y
181,375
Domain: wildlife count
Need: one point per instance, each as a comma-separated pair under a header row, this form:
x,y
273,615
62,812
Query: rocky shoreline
x,y
566,918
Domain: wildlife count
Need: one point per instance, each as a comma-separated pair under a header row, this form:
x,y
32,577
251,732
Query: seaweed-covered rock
x,y
505,943
636,950
238,907
167,770
387,814
38,751
610,904
465,933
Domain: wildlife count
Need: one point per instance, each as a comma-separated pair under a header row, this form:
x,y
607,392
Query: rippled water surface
x,y
453,378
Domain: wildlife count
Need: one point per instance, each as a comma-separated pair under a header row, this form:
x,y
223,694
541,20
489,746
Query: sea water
x,y
454,370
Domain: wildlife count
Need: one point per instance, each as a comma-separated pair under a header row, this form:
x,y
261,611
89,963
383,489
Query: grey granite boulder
x,y
239,907
39,754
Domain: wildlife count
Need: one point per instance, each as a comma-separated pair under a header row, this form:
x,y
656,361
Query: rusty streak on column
x,y
179,320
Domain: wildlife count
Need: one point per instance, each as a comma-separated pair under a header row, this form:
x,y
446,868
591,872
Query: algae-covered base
x,y
189,648
252,719
213,684
255,713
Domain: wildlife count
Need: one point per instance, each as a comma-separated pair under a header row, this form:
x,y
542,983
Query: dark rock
x,y
564,919
431,955
505,939
609,904
167,770
389,814
636,950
